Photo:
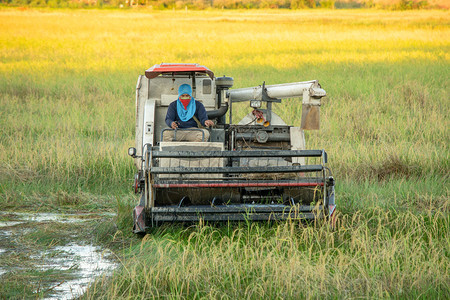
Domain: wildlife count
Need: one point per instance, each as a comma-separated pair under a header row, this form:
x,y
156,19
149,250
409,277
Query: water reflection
x,y
80,261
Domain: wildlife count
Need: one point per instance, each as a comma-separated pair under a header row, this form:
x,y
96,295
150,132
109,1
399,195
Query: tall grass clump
x,y
380,254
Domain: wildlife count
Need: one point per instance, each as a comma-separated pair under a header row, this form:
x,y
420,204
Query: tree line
x,y
232,4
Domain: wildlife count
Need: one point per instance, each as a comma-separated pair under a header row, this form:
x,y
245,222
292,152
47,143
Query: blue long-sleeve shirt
x,y
172,115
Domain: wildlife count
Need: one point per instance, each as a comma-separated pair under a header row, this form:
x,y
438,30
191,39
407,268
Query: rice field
x,y
372,255
67,80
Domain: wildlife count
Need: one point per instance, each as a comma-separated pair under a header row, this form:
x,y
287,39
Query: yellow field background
x,y
67,88
67,81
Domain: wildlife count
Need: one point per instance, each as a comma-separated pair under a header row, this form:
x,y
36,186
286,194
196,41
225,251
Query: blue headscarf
x,y
188,113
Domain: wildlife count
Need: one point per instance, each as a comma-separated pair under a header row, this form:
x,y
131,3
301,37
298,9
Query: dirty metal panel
x,y
149,123
237,184
236,170
255,208
233,217
310,117
250,153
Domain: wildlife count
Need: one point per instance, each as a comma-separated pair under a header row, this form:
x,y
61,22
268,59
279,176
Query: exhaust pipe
x,y
213,114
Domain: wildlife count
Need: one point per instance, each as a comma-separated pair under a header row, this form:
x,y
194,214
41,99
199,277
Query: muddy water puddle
x,y
50,256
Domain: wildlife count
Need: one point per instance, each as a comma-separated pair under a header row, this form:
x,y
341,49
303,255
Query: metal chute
x,y
310,92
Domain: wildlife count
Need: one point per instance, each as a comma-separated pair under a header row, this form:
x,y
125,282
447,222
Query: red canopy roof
x,y
176,68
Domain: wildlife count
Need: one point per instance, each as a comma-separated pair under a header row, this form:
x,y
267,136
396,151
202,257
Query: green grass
x,y
375,254
391,241
22,284
67,80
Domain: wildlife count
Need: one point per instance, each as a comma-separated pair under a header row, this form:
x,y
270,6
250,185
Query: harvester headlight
x,y
255,103
132,152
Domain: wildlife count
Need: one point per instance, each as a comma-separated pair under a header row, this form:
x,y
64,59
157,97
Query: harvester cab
x,y
257,169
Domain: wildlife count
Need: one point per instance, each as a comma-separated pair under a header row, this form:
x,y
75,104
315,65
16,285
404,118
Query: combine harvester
x,y
257,169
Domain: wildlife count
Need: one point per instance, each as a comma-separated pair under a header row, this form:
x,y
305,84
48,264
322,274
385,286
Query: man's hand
x,y
209,123
174,125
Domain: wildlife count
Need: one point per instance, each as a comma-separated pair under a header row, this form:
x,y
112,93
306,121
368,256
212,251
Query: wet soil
x,y
50,256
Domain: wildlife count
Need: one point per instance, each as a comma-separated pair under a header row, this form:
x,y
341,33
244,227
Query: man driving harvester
x,y
186,113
